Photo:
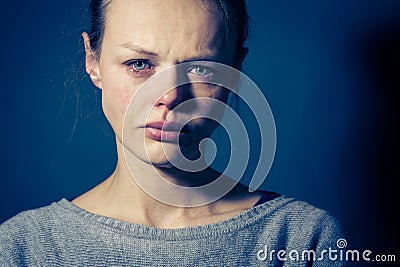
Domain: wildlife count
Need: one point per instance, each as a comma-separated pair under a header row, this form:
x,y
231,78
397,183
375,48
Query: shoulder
x,y
302,233
23,233
23,222
300,212
295,211
30,220
298,221
291,210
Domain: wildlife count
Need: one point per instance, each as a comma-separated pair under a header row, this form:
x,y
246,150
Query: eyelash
x,y
209,71
148,66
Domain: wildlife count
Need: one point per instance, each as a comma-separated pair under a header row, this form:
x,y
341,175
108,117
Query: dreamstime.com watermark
x,y
338,253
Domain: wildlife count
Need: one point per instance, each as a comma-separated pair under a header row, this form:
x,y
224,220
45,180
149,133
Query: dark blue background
x,y
329,69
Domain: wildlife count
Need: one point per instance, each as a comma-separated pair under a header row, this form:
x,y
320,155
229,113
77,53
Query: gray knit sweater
x,y
63,234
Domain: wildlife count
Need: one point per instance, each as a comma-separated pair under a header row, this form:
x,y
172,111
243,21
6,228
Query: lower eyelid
x,y
140,74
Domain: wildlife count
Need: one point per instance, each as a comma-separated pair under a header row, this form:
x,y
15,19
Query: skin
x,y
137,45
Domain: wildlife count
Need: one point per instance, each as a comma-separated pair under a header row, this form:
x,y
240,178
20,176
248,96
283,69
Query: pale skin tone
x,y
141,39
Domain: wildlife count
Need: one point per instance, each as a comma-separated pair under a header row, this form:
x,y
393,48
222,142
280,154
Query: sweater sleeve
x,y
14,234
330,243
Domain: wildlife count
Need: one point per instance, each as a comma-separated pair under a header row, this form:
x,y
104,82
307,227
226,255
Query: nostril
x,y
175,96
169,98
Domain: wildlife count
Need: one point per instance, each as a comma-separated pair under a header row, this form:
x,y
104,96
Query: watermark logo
x,y
341,243
338,253
198,75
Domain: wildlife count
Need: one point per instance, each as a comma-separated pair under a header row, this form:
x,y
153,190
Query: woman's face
x,y
142,38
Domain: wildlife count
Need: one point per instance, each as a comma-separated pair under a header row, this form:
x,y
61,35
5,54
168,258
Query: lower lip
x,y
164,136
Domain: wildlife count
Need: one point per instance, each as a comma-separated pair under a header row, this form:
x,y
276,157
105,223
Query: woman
x,y
118,222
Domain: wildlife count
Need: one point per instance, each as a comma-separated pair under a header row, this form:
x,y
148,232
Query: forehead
x,y
173,26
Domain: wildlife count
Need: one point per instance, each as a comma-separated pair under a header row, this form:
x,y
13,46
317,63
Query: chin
x,y
156,154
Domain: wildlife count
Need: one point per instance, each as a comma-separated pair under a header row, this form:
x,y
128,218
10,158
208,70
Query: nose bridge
x,y
175,93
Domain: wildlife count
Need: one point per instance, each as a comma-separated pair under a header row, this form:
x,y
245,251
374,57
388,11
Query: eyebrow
x,y
138,49
211,57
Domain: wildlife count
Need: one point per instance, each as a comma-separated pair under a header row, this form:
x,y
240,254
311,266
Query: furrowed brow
x,y
138,49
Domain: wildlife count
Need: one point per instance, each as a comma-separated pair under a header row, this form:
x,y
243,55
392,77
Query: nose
x,y
179,92
174,97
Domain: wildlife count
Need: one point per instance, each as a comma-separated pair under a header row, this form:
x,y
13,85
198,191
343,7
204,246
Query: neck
x,y
122,196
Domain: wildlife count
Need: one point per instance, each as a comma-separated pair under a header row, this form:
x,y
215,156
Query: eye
x,y
139,65
201,71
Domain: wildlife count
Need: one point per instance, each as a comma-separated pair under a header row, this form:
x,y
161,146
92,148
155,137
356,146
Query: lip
x,y
165,132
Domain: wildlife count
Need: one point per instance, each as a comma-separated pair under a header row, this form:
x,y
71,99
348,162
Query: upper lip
x,y
166,126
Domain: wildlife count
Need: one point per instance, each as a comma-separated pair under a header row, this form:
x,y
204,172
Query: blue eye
x,y
201,71
139,65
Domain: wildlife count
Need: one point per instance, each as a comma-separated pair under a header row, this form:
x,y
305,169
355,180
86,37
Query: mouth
x,y
165,132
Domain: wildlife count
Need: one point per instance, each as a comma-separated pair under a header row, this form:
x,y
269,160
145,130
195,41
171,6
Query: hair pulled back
x,y
233,13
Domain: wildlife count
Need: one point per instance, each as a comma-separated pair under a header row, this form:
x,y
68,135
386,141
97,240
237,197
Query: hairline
x,y
212,6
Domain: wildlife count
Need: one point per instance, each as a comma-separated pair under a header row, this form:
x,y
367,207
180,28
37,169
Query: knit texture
x,y
63,234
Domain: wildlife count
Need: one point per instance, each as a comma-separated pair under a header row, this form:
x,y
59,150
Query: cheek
x,y
115,99
210,91
211,112
116,95
215,108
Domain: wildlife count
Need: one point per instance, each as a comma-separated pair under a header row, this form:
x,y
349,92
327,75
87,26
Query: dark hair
x,y
233,13
98,12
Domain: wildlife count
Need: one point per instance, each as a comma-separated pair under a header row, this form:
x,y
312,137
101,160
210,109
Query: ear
x,y
241,57
92,62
